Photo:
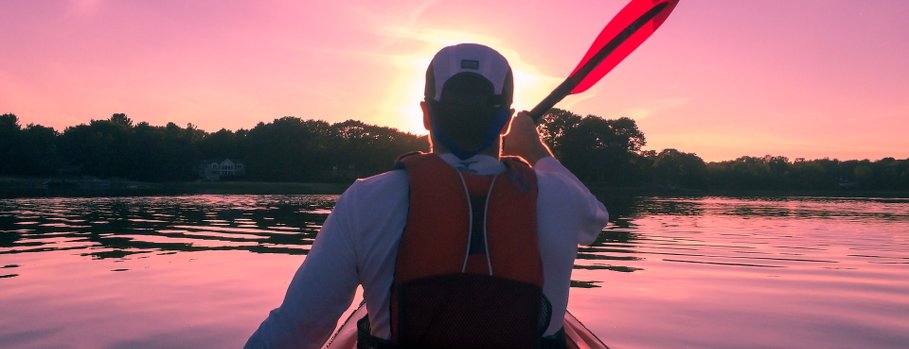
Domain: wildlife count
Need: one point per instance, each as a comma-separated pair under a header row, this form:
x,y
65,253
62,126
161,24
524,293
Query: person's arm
x,y
321,290
524,140
578,203
567,213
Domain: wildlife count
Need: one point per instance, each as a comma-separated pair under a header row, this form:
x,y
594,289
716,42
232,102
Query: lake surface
x,y
203,271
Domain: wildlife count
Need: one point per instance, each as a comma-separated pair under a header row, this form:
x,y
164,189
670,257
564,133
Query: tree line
x,y
611,151
286,149
596,149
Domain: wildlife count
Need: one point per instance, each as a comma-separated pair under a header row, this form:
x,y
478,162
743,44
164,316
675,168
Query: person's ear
x,y
426,122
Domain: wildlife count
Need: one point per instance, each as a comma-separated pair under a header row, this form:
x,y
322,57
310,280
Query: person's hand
x,y
523,140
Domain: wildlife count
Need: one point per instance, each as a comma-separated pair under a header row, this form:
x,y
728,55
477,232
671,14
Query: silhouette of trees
x,y
38,150
287,149
778,173
10,132
29,151
224,144
361,149
102,147
596,149
168,153
675,169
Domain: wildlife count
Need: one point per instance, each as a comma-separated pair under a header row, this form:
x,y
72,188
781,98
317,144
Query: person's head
x,y
467,100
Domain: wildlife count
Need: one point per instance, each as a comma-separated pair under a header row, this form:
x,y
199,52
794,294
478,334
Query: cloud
x,y
84,7
377,20
651,107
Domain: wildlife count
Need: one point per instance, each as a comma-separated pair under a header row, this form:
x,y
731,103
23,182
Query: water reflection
x,y
118,227
675,230
744,232
749,272
7,274
701,272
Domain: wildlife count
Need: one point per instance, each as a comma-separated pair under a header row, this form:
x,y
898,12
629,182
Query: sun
x,y
401,104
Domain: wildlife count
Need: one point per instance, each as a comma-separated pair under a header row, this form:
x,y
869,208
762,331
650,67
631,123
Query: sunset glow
x,y
722,79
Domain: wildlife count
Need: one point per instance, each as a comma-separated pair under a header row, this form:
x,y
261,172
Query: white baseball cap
x,y
471,74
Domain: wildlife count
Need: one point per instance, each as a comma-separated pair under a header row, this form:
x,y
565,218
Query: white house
x,y
213,170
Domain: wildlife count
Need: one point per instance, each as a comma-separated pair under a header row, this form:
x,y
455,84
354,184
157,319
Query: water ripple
x,y
120,227
710,272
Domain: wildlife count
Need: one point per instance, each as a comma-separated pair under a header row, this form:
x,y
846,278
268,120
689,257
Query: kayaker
x,y
465,242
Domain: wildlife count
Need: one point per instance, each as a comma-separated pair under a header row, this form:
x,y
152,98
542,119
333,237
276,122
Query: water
x,y
202,271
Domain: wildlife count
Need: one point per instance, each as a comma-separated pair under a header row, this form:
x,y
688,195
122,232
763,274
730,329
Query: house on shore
x,y
216,170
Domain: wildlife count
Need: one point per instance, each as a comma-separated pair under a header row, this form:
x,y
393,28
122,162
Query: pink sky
x,y
806,78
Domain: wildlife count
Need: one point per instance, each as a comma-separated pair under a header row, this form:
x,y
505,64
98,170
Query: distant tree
x,y
677,169
626,135
9,121
746,172
166,153
555,124
863,174
814,174
885,174
101,147
779,172
37,151
642,167
364,150
121,119
10,133
288,149
594,148
223,144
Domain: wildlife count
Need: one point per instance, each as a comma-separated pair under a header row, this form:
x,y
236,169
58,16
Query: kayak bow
x,y
578,335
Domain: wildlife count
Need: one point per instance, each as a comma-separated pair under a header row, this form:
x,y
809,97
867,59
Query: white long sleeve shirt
x,y
358,245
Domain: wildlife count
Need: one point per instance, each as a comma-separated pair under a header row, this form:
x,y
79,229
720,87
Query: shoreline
x,y
609,190
21,188
43,187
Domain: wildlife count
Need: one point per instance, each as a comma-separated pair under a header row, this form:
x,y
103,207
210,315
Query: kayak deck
x,y
577,334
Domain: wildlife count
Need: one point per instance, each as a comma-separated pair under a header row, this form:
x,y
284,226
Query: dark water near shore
x,y
202,271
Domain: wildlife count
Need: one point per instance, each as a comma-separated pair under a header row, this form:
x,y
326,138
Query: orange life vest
x,y
468,271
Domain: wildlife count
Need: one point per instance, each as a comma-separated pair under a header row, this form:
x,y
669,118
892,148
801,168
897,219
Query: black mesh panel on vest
x,y
556,341
477,239
469,311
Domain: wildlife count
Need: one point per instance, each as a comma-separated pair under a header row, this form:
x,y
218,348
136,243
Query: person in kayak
x,y
470,245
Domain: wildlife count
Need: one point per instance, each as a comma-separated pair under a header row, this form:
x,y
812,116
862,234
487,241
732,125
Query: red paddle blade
x,y
637,21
